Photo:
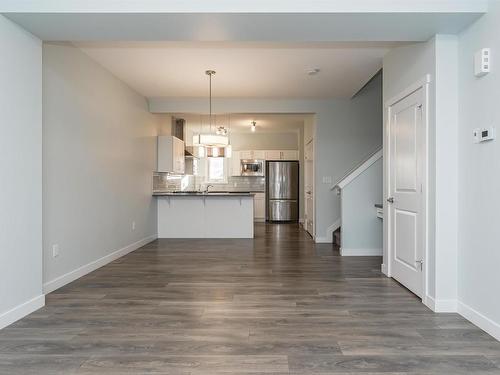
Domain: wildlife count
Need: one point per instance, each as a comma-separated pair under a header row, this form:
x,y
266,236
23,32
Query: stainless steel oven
x,y
254,167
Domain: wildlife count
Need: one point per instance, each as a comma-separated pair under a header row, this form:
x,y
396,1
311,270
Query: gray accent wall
x,y
479,178
20,172
403,67
361,228
98,156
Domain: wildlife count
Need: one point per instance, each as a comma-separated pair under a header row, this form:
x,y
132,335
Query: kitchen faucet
x,y
207,187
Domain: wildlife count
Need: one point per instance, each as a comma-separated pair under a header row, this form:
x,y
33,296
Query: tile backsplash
x,y
166,182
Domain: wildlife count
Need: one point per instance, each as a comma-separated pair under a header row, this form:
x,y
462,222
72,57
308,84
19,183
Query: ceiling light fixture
x,y
220,137
253,127
313,72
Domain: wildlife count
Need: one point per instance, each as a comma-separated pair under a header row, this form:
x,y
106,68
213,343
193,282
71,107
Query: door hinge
x,y
421,263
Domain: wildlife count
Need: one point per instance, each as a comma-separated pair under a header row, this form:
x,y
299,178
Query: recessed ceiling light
x,y
313,72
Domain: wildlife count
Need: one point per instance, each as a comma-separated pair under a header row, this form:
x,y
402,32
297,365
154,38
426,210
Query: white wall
x,y
265,141
361,228
98,156
21,173
446,172
479,178
403,67
346,132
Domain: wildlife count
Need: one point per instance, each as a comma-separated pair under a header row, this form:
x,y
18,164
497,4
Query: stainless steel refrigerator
x,y
282,191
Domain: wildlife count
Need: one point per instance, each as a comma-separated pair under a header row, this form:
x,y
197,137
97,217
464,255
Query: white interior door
x,y
405,201
309,188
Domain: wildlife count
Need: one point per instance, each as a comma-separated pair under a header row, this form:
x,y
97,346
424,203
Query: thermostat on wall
x,y
483,135
482,62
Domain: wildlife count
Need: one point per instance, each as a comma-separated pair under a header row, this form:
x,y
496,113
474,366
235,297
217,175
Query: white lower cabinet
x,y
259,207
205,216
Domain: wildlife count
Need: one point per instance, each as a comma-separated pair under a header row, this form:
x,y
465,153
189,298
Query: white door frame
x,y
313,177
424,84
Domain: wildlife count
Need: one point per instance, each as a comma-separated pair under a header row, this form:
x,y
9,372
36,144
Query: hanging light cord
x,y
210,73
210,98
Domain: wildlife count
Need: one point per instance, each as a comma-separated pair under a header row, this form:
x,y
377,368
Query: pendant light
x,y
216,139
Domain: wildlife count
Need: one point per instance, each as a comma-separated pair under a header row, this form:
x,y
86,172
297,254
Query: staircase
x,y
336,238
359,231
358,169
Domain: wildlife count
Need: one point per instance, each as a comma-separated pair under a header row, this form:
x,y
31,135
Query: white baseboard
x,y
322,240
60,281
329,233
384,269
440,305
360,252
18,312
483,322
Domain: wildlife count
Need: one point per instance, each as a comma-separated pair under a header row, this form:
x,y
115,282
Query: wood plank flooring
x,y
278,304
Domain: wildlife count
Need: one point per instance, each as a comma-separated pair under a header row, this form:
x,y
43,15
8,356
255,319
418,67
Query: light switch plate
x,y
482,62
55,250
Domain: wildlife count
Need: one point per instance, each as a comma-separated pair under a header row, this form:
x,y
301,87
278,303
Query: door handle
x,y
421,263
390,200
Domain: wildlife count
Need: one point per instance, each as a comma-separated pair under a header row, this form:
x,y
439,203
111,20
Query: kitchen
x,y
206,189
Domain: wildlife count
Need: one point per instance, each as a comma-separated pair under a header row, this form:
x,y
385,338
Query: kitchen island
x,y
205,215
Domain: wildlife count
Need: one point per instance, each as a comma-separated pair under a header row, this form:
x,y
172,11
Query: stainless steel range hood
x,y
178,125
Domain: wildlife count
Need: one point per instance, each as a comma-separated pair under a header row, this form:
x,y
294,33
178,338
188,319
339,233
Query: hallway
x,y
278,304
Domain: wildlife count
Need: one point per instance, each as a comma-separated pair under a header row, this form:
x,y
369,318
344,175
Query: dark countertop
x,y
199,194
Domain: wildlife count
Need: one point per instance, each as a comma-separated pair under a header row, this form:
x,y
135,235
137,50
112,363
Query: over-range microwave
x,y
254,167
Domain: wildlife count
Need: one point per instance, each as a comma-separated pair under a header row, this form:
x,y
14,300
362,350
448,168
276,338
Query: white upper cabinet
x,y
170,155
237,156
289,155
246,154
236,163
273,155
281,155
252,154
259,154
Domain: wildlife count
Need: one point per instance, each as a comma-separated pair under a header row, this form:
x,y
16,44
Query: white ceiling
x,y
247,70
241,6
173,57
240,122
399,24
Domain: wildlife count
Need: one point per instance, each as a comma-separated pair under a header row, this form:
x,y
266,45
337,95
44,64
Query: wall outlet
x,y
55,250
327,179
483,134
133,225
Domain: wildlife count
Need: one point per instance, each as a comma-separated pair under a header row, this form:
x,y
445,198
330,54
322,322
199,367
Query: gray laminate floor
x,y
278,304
